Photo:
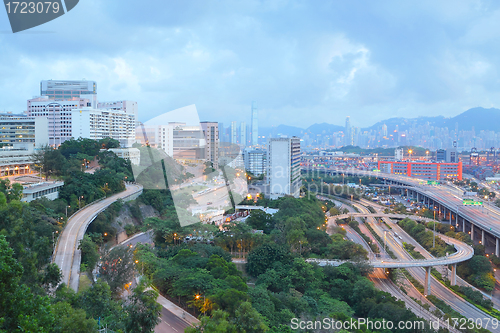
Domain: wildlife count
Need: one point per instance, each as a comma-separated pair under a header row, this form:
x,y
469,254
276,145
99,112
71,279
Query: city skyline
x,y
308,63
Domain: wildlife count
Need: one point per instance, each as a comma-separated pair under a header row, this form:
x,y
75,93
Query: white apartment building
x,y
58,115
20,130
129,107
255,161
98,124
283,167
19,136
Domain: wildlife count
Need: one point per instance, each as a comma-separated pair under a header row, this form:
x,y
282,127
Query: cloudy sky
x,y
303,62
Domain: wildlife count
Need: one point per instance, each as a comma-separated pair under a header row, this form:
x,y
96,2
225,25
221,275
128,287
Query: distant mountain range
x,y
479,118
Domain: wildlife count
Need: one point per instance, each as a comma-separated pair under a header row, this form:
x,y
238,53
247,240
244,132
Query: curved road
x,y
464,252
438,289
485,218
67,256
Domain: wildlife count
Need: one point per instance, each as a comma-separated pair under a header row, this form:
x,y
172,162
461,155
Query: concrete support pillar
x,y
497,248
463,225
453,280
482,238
472,232
450,215
427,282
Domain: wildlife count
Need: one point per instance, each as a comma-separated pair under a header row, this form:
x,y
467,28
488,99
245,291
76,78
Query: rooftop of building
x,y
33,188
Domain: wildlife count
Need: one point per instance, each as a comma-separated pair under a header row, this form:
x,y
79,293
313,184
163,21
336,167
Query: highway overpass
x,y
482,223
463,252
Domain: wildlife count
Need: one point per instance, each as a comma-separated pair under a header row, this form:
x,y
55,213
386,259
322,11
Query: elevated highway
x,y
463,252
481,223
67,255
391,216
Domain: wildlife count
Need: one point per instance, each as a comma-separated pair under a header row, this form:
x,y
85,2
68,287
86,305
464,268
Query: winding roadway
x,y
67,255
464,252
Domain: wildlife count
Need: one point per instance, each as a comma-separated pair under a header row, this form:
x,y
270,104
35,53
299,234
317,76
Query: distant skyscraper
x,y
243,134
255,125
221,132
348,132
234,133
384,130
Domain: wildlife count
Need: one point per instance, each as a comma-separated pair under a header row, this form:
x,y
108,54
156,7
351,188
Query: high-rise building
x,y
20,130
234,133
98,124
255,125
58,114
211,131
255,161
348,132
283,167
19,136
61,90
384,130
243,134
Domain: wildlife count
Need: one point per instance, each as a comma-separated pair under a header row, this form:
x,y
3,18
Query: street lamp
x,y
410,152
53,242
385,240
204,301
67,210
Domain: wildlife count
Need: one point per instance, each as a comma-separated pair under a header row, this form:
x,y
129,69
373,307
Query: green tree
x,y
16,192
260,220
117,267
90,254
69,319
264,257
249,320
143,310
49,160
108,143
52,276
20,309
218,323
97,300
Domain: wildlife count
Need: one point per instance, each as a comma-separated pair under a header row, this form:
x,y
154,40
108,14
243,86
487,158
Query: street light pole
x,y
434,235
385,240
